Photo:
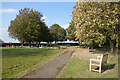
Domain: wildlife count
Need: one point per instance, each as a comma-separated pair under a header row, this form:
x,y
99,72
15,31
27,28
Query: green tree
x,y
71,31
58,33
50,36
97,22
110,26
28,26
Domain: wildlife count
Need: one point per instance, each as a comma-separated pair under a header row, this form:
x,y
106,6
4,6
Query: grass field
x,y
16,61
79,68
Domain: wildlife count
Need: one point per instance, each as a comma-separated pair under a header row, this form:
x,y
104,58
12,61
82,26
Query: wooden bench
x,y
100,62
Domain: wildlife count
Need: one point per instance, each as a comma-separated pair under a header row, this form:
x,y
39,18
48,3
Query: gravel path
x,y
84,54
53,67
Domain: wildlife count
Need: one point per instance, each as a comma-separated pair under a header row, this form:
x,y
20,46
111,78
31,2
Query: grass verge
x,y
79,68
16,61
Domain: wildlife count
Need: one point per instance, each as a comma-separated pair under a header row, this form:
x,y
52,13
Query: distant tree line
x,y
28,26
93,23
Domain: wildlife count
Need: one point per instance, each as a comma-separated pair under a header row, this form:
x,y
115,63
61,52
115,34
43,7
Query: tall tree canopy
x,y
58,33
97,22
71,31
28,26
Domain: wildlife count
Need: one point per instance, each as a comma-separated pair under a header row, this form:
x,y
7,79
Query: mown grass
x,y
78,68
16,61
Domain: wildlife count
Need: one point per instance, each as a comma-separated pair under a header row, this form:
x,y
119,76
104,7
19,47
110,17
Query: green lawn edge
x,y
32,67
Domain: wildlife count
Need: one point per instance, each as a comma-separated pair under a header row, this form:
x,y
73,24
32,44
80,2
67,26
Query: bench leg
x,y
100,69
90,65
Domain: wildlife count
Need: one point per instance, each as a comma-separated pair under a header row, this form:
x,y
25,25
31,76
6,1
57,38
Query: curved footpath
x,y
53,67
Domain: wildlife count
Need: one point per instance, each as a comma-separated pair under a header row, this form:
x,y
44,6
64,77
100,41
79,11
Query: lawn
x,y
16,61
79,68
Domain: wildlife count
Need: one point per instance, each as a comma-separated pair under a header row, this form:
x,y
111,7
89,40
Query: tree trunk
x,y
47,44
117,44
55,43
117,50
39,44
29,44
92,47
111,46
22,43
93,44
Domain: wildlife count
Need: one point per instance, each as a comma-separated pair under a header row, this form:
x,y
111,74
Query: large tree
x,y
71,31
50,36
28,26
58,33
97,22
